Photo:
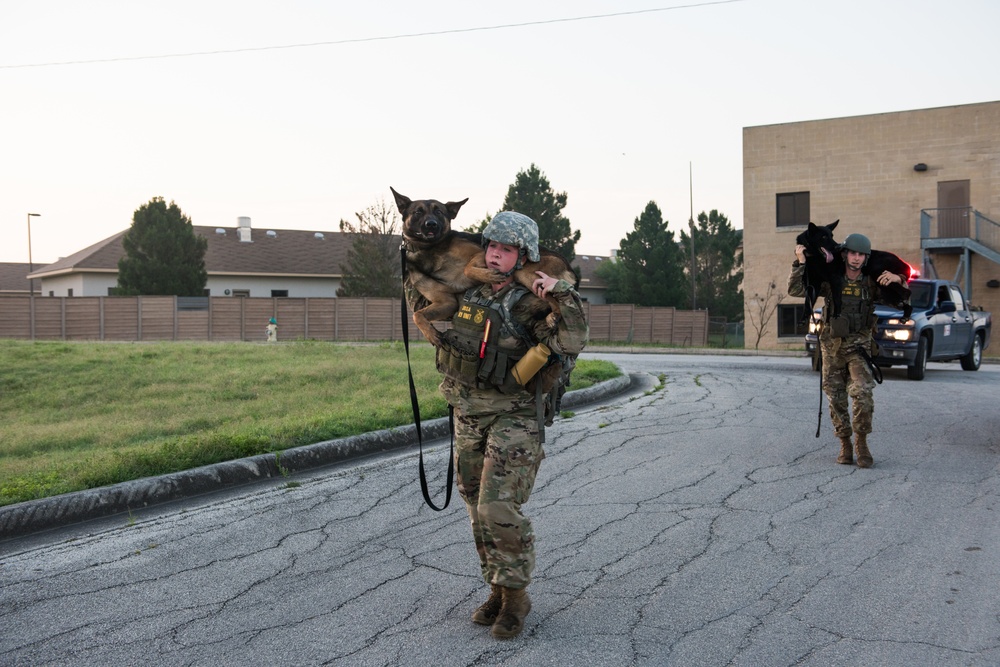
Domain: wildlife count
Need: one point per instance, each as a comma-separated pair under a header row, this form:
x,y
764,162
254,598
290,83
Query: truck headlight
x,y
900,335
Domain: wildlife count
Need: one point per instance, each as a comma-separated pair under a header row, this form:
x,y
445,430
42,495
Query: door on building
x,y
953,209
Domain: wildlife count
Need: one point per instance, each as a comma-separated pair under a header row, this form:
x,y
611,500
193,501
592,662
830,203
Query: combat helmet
x,y
857,243
514,229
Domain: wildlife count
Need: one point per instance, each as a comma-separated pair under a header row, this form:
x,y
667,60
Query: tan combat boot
x,y
846,451
510,621
489,610
865,459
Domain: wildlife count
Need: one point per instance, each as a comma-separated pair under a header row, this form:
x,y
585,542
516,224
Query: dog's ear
x,y
833,225
402,203
811,226
453,207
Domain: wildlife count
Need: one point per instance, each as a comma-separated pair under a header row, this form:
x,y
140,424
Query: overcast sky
x,y
301,112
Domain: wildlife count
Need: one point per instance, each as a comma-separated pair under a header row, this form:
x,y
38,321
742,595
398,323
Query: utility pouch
x,y
505,382
488,364
455,359
840,326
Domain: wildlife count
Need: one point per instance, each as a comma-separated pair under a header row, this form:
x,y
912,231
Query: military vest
x,y
856,308
485,341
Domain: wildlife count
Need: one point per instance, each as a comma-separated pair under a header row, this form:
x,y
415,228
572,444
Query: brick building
x,y
924,184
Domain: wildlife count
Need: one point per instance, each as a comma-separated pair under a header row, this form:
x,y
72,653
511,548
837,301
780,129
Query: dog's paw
x,y
552,320
494,277
433,338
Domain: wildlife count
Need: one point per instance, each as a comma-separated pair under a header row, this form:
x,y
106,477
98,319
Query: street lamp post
x,y
31,264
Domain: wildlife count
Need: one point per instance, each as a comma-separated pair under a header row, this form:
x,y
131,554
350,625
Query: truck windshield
x,y
922,295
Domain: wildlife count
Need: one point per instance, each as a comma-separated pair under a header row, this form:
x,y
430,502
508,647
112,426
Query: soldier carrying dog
x,y
499,406
845,342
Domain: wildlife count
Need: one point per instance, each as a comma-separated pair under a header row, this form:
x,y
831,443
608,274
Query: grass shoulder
x,y
84,415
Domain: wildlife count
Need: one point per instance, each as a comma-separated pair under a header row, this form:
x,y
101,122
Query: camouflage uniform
x,y
498,449
845,372
498,444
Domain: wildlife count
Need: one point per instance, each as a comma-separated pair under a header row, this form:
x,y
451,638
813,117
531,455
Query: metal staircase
x,y
962,230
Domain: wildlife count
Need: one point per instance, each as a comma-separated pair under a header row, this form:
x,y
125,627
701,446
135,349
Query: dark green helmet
x,y
857,243
514,229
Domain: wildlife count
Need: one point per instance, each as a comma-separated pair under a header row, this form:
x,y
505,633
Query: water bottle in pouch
x,y
530,363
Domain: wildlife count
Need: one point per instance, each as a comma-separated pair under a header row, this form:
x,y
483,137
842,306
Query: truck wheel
x,y
817,360
919,367
971,361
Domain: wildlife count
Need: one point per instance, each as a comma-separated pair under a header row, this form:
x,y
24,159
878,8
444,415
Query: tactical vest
x,y
856,308
485,342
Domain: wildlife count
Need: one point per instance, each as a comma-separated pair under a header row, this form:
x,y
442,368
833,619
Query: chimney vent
x,y
243,229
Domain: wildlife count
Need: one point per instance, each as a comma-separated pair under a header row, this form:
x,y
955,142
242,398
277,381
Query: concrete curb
x,y
37,515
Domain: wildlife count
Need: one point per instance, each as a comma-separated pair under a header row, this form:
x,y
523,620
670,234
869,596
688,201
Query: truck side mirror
x,y
947,307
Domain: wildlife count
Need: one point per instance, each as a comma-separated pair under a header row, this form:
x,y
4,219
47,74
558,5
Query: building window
x,y
279,292
69,292
792,320
793,209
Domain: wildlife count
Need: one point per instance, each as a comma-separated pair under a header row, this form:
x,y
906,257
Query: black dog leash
x,y
819,415
416,409
876,370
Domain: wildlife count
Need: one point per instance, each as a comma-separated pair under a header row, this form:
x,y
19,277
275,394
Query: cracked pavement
x,y
698,522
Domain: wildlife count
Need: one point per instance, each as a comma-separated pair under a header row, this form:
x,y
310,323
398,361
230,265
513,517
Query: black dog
x,y
825,263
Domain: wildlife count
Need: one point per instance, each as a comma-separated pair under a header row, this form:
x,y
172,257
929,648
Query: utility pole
x,y
694,275
31,264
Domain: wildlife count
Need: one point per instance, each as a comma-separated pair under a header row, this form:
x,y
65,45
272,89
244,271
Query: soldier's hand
x,y
888,278
543,284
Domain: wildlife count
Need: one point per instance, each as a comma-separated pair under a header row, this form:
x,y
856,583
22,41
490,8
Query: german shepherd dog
x,y
825,263
442,263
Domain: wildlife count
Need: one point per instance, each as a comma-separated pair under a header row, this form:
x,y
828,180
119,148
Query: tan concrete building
x,y
924,184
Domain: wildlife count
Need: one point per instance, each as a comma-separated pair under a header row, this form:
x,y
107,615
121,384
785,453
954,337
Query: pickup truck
x,y
943,327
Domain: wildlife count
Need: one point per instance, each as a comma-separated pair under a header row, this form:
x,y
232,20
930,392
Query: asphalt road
x,y
697,523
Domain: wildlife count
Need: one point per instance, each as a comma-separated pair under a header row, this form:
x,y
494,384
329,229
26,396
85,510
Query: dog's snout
x,y
432,224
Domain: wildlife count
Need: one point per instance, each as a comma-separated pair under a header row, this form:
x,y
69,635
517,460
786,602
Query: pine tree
x,y
163,255
718,265
532,195
649,268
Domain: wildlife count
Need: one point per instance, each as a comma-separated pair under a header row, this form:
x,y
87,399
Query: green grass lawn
x,y
83,415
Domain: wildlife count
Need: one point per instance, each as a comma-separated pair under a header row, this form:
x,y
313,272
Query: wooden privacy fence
x,y
155,318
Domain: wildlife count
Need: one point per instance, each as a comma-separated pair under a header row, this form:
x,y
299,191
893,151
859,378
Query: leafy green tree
x,y
649,268
163,255
532,195
718,265
373,264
